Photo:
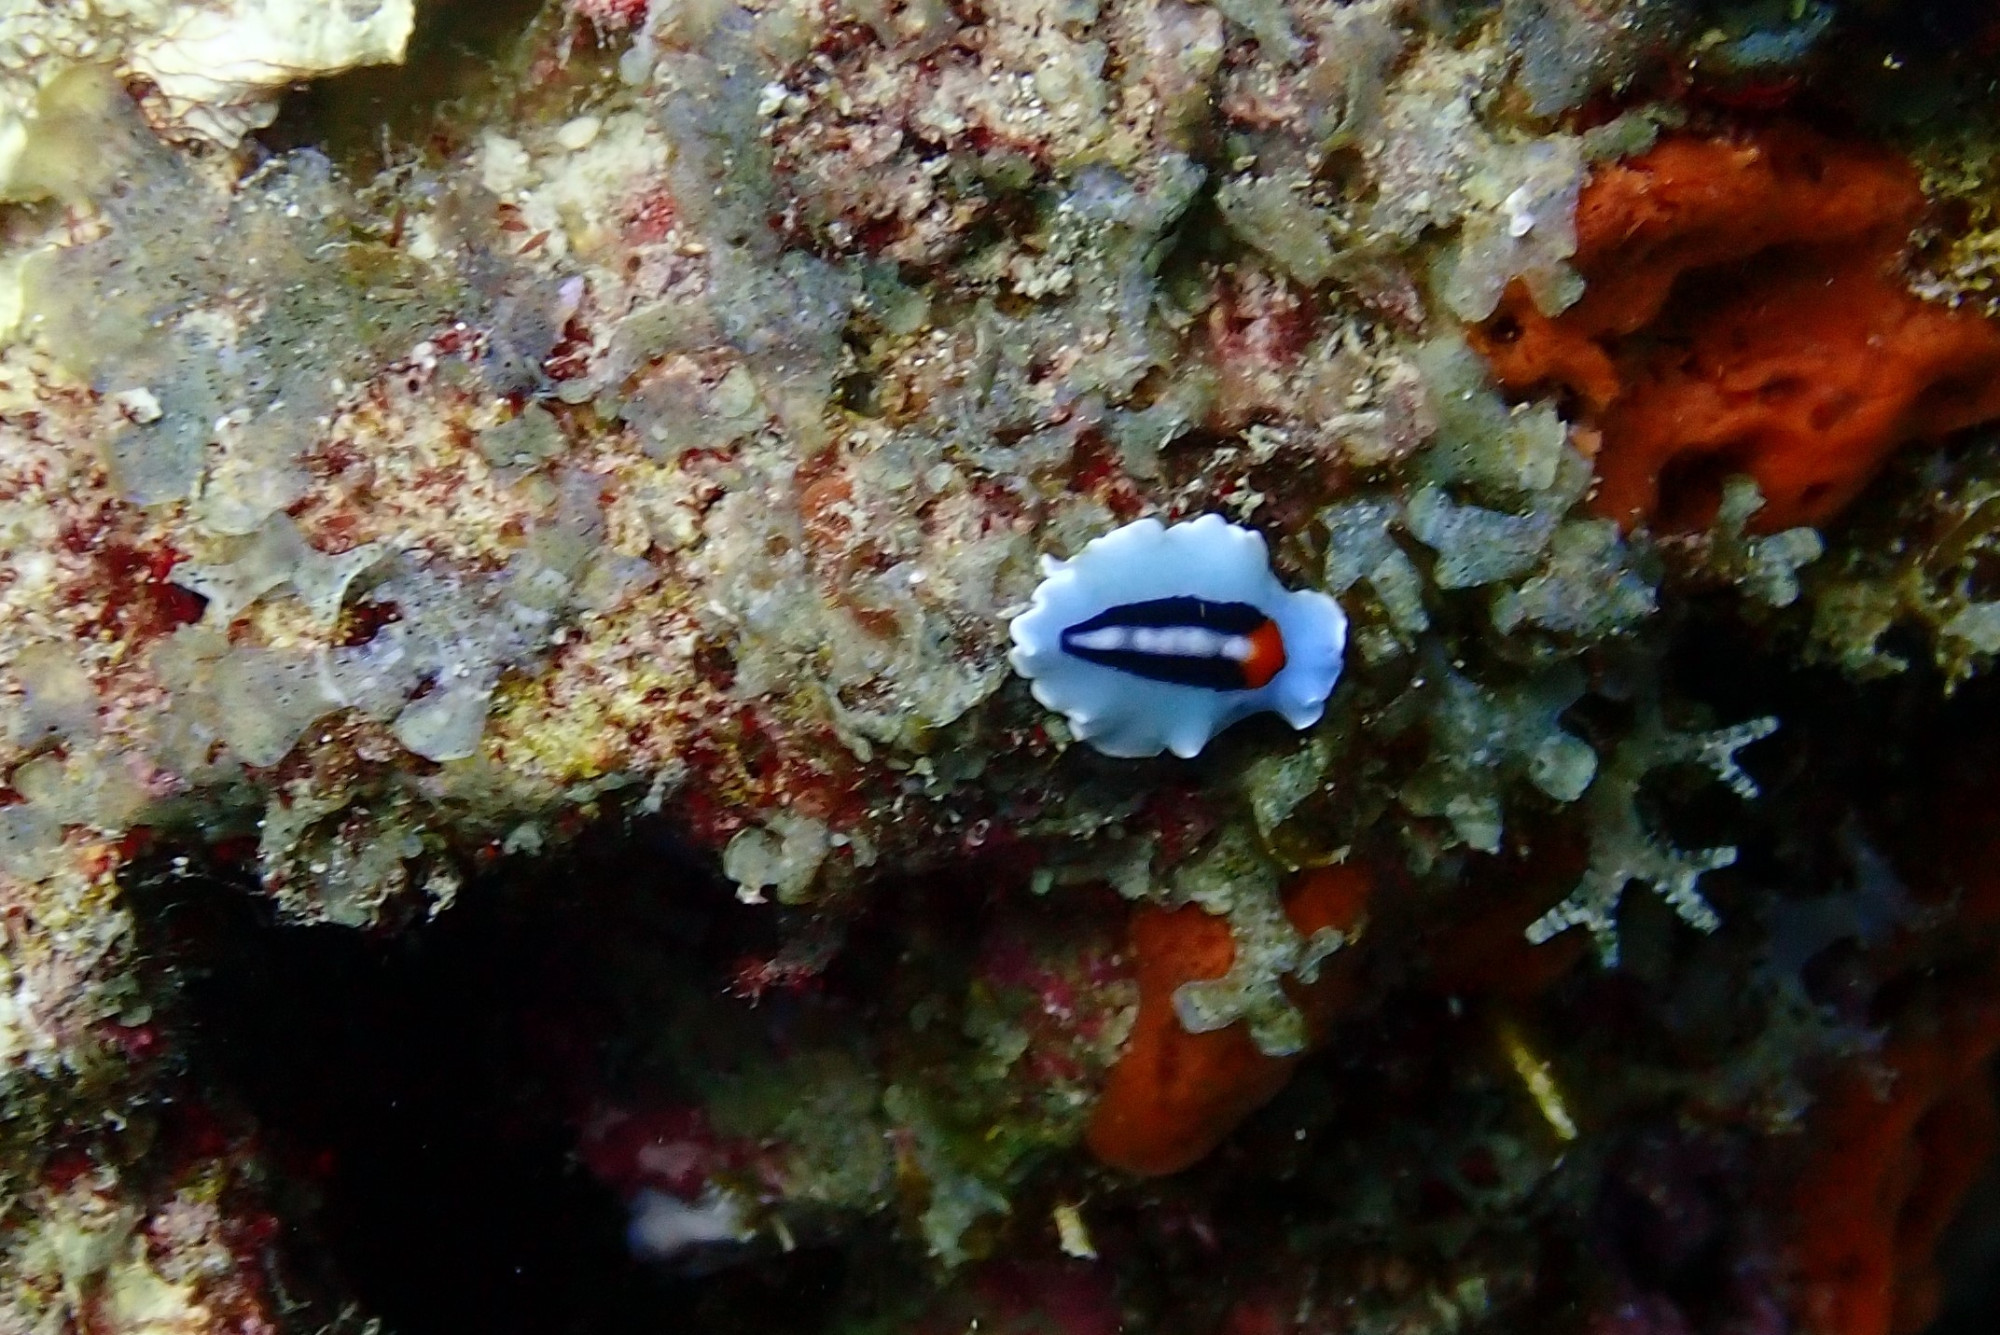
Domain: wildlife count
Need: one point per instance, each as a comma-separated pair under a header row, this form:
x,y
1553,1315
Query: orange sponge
x,y
1744,313
1888,1169
1895,1139
1173,1095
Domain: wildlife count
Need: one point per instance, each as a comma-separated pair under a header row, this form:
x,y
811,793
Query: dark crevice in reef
x,y
1899,750
419,1095
1970,1260
453,53
1880,743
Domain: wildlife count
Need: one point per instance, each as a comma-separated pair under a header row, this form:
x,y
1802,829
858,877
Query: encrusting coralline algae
x,y
611,506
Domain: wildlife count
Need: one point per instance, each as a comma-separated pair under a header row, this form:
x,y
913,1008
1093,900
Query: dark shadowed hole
x,y
1982,575
418,1093
1939,26
1970,1260
1892,738
1781,389
452,52
1834,410
1691,489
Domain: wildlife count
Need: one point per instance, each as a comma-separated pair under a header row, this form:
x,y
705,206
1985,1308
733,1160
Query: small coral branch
x,y
1623,847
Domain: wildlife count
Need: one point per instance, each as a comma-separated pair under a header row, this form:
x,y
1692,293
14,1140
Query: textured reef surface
x,y
515,813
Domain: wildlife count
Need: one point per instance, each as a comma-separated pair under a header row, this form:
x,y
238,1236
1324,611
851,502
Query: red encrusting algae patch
x,y
1744,312
1173,1095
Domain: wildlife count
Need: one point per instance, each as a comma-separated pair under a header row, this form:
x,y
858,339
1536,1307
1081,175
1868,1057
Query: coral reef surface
x,y
516,813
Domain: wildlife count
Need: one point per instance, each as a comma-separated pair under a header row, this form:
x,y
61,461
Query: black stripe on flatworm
x,y
1229,618
1214,674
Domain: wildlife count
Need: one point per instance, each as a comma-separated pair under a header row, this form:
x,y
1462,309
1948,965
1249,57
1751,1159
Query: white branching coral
x,y
1766,568
1625,848
1234,880
1482,737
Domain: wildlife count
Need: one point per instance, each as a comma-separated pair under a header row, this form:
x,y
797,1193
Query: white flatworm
x,y
1156,639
